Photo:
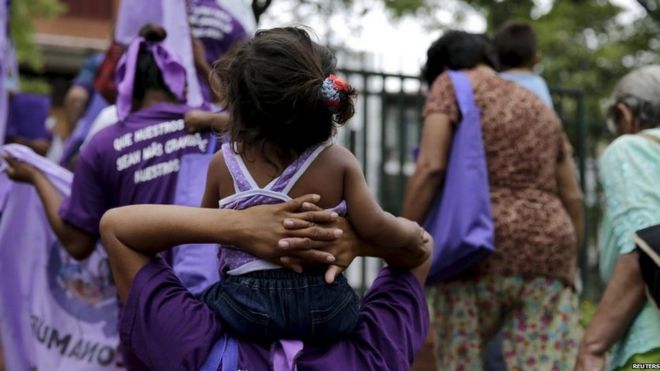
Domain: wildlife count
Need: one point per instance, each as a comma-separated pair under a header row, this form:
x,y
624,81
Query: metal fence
x,y
386,129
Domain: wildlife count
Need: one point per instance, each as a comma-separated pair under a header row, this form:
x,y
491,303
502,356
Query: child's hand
x,y
344,249
195,121
275,231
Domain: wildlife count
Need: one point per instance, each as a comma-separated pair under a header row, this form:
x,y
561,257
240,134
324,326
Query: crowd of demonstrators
x,y
290,209
526,287
115,169
625,320
136,161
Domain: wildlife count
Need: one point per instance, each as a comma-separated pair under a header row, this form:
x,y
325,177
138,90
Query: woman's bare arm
x,y
374,225
425,183
623,299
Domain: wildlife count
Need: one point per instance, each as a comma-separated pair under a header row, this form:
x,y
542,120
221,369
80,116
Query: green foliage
x,y
23,13
584,42
406,7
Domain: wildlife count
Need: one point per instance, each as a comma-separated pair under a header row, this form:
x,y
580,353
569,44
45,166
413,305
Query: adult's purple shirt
x,y
135,161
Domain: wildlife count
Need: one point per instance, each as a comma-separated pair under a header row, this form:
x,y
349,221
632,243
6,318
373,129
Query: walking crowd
x,y
200,213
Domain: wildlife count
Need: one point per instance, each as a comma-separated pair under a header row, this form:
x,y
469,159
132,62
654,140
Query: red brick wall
x,y
97,9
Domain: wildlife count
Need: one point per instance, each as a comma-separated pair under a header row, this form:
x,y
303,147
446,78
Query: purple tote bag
x,y
460,218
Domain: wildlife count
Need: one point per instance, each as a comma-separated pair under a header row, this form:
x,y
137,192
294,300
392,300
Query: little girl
x,y
284,107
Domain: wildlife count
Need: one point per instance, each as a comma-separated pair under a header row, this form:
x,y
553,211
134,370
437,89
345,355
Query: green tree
x,y
21,32
21,28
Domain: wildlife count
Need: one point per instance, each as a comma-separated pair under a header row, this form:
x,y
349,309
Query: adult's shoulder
x,y
441,83
442,99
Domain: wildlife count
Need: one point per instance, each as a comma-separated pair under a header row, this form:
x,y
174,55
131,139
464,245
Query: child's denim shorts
x,y
282,304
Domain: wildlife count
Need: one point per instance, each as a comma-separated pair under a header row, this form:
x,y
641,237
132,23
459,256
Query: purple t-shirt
x,y
217,29
391,329
164,327
135,161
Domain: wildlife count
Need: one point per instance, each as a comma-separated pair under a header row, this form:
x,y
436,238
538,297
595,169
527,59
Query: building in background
x,y
84,28
65,41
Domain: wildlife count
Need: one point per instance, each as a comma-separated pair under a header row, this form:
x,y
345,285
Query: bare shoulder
x,y
217,162
339,156
218,174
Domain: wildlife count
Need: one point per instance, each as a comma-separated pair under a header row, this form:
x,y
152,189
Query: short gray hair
x,y
639,90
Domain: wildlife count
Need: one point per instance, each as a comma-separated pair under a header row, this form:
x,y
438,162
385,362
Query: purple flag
x,y
55,313
4,53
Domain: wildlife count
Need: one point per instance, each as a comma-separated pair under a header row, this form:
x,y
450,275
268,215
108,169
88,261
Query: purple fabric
x,y
460,219
195,264
162,326
4,67
83,126
53,309
285,354
249,194
135,161
59,177
27,116
217,29
168,329
174,73
171,14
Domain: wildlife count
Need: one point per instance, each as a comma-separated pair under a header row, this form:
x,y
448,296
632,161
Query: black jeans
x,y
282,304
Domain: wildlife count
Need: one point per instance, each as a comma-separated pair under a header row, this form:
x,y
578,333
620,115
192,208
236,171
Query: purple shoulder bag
x,y
460,218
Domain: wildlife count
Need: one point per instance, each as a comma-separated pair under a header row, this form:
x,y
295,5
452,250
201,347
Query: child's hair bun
x,y
337,95
153,32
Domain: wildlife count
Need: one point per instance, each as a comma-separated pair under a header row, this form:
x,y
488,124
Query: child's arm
x,y
212,190
370,221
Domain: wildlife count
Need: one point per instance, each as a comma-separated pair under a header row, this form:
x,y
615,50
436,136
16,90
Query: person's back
x,y
517,51
536,211
524,142
281,147
138,159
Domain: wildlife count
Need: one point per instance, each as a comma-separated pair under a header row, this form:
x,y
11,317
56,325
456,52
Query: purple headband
x,y
174,74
